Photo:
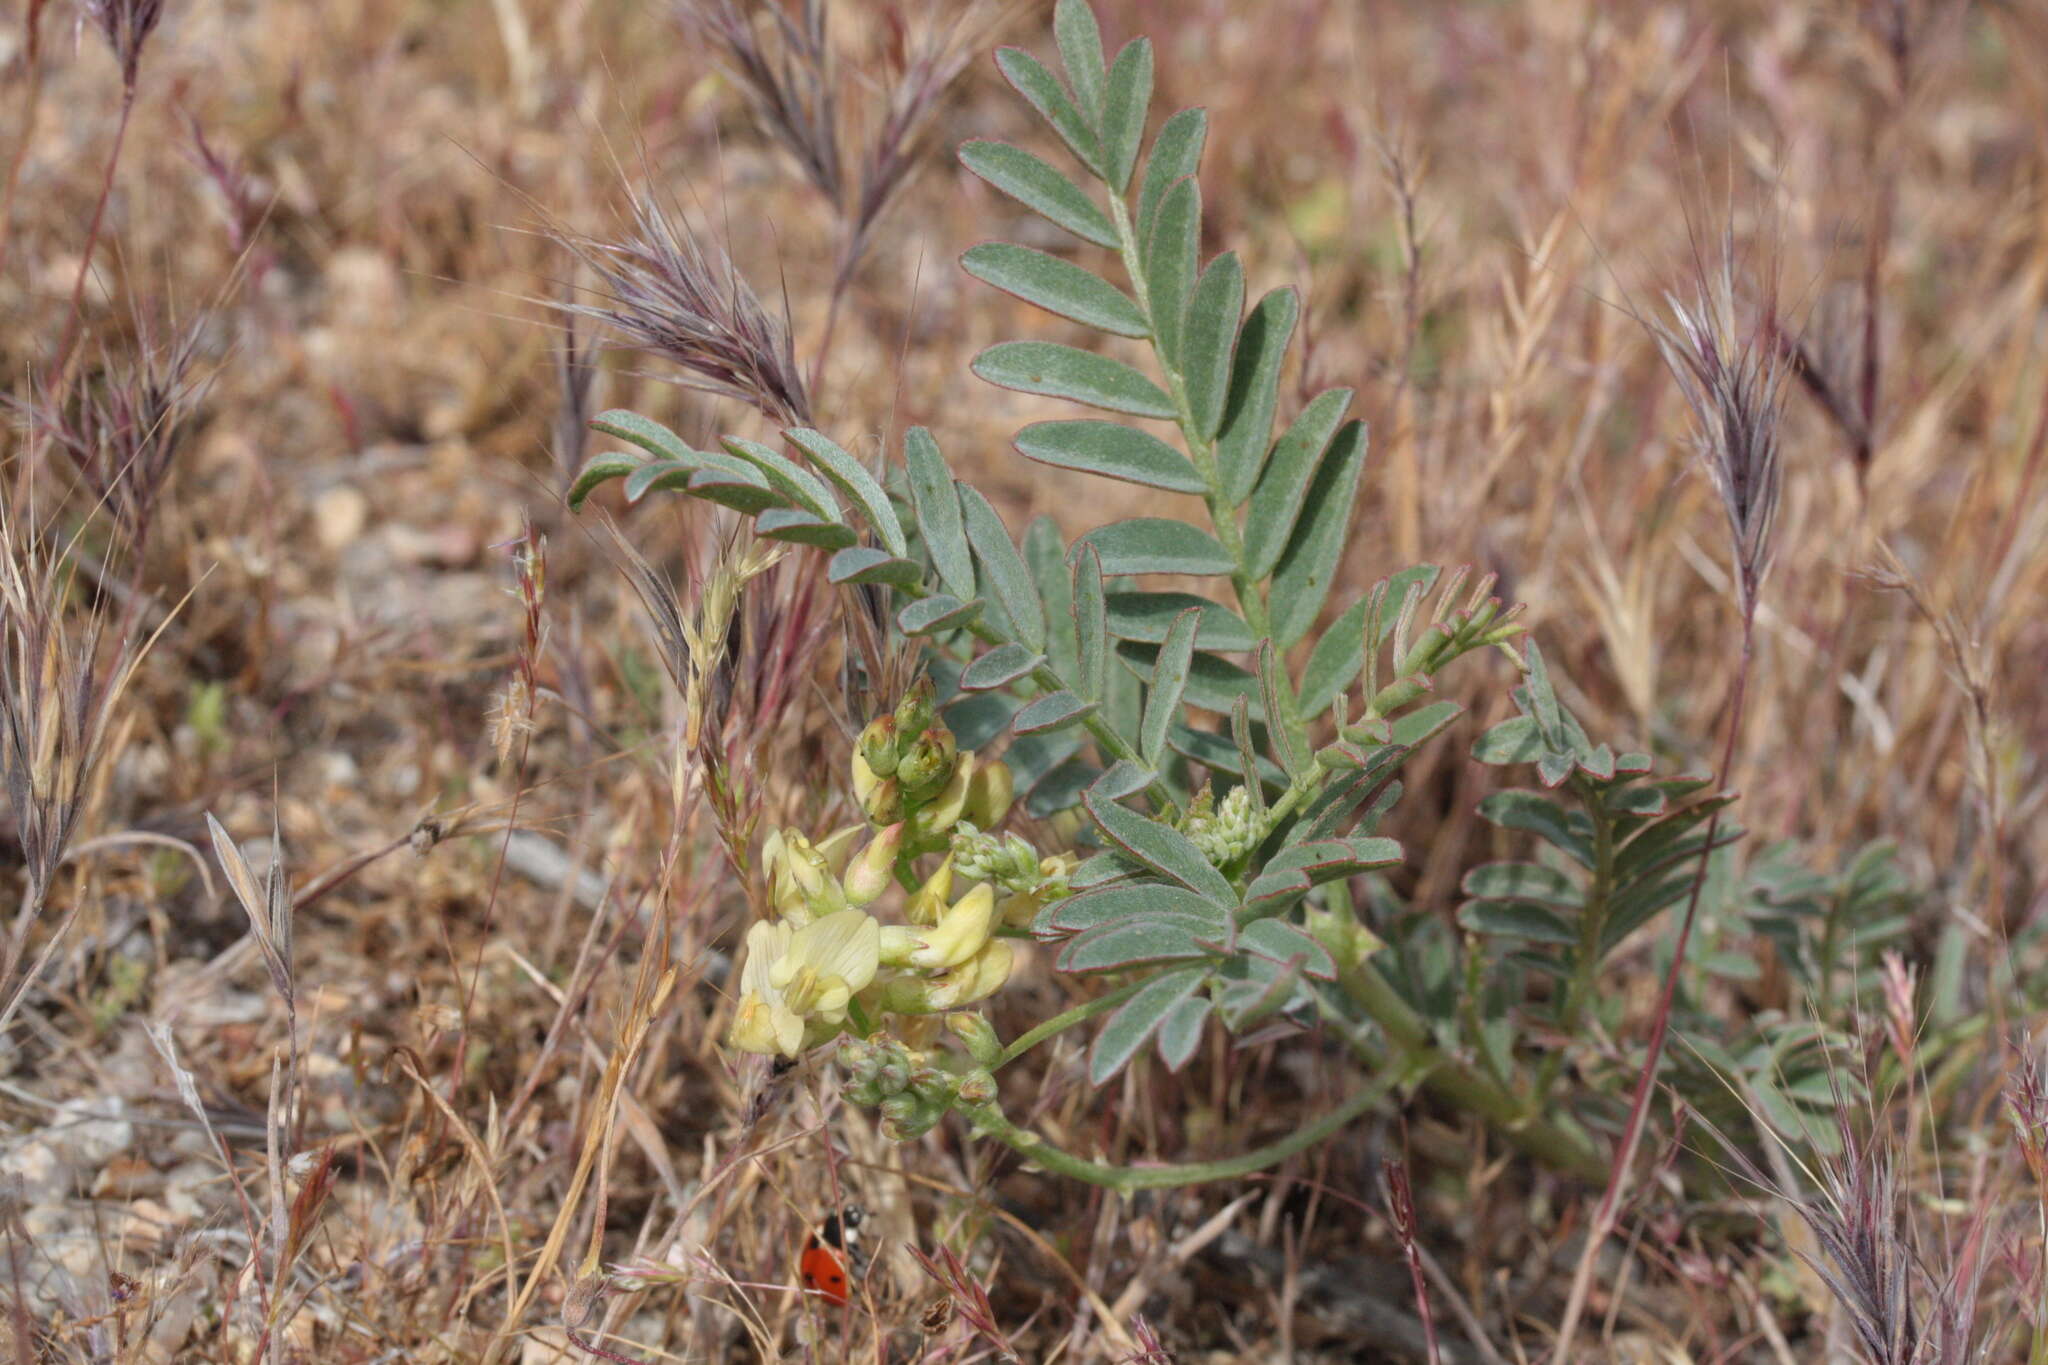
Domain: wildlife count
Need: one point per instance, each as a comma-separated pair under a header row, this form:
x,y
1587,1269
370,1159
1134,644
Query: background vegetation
x,y
386,1068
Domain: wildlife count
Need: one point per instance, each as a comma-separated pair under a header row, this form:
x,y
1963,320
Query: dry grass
x,y
293,412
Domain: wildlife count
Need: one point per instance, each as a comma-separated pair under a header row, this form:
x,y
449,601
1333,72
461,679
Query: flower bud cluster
x,y
1227,832
908,1086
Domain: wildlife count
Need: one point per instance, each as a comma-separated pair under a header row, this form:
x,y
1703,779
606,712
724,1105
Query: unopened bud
x,y
978,1034
878,746
941,812
873,872
917,710
977,1087
928,764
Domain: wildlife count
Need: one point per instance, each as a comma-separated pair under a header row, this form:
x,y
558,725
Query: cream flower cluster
x,y
827,960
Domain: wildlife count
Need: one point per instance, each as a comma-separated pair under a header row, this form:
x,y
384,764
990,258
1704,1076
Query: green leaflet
x,y
1057,371
1302,580
1242,443
1211,341
1036,185
1055,285
1111,450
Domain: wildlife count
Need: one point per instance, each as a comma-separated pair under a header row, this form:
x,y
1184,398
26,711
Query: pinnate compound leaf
x,y
1055,285
1009,577
1111,450
1124,107
1277,501
937,502
1045,94
1302,580
1037,186
1243,441
1046,367
1157,545
1162,848
1169,680
1211,341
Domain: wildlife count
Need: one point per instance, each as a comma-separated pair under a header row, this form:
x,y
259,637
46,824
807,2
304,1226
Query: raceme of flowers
x,y
827,963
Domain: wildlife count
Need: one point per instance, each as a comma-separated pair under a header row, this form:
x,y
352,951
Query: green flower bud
x,y
928,763
917,710
978,1034
977,1088
878,746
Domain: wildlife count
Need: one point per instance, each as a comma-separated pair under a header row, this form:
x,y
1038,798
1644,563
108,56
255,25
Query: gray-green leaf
x,y
1009,577
937,501
1169,680
1034,183
1055,712
1211,340
1176,153
1058,371
1049,98
1055,285
1302,580
1170,255
1158,545
1074,29
1146,616
1277,502
854,480
1123,112
1247,430
1112,450
1162,848
1090,626
1125,1033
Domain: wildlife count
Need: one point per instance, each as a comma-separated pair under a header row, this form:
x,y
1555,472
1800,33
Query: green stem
x,y
1563,1148
989,1120
1059,1023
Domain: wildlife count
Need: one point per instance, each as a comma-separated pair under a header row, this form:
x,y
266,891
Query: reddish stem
x,y
92,236
1605,1216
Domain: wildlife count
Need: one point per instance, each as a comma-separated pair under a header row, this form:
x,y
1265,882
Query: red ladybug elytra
x,y
830,1256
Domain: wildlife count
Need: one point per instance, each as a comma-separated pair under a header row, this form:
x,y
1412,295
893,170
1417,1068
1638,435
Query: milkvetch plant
x,y
1224,760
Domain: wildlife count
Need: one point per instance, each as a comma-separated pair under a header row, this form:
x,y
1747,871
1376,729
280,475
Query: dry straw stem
x,y
1734,384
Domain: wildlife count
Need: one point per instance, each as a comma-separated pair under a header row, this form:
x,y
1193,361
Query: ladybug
x,y
831,1254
